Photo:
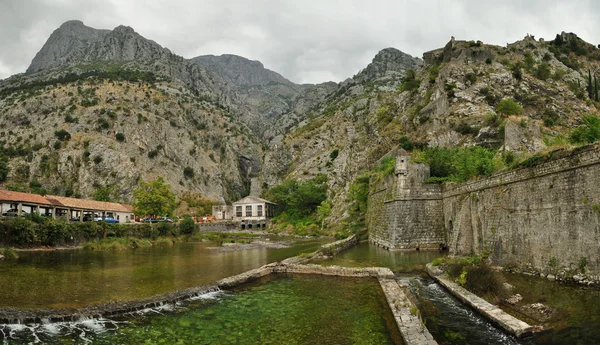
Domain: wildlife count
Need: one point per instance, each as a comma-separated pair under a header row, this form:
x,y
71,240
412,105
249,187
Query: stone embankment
x,y
493,313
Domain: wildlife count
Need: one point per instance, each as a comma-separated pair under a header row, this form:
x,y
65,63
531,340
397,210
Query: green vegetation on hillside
x,y
302,205
457,164
119,74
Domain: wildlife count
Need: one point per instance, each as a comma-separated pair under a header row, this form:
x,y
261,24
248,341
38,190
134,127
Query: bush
x,y
410,81
588,132
482,280
9,253
120,137
492,120
62,135
334,154
543,71
165,228
472,77
406,144
187,225
152,154
509,107
466,129
188,172
457,164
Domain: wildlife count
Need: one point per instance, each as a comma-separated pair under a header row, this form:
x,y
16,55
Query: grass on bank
x,y
9,253
119,244
476,275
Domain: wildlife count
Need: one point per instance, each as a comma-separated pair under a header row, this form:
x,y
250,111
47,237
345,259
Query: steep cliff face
x,y
68,41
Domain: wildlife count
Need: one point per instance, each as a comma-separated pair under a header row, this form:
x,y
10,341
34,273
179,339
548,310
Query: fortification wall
x,y
404,213
546,217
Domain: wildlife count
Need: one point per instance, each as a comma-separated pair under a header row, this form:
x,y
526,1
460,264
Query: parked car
x,y
13,212
111,220
158,220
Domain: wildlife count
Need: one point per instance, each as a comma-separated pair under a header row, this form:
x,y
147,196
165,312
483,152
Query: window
x,y
238,211
259,211
249,211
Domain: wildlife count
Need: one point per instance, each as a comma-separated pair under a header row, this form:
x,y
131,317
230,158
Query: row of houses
x,y
249,210
60,206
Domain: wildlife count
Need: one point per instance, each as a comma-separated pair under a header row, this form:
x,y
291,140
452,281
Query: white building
x,y
252,208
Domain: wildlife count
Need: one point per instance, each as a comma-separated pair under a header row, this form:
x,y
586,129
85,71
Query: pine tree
x,y
590,87
596,89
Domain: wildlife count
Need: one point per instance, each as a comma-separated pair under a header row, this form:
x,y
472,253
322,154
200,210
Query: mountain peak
x,y
389,63
238,70
71,37
72,23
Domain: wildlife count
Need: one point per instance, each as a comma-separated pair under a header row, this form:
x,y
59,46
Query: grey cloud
x,y
305,41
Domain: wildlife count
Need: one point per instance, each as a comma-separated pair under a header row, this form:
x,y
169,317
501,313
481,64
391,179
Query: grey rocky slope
x,y
127,109
231,120
452,99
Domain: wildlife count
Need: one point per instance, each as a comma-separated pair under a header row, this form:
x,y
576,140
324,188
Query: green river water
x,y
275,310
76,278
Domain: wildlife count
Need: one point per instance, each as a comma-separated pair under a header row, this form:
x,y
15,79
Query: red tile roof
x,y
65,202
6,195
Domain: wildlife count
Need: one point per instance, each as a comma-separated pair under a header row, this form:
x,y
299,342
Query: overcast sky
x,y
307,41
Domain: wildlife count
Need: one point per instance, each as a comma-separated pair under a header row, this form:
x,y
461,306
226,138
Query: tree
x,y
3,168
588,132
590,87
153,198
596,89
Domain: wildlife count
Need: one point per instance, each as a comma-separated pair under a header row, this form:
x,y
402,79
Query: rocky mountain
x,y
459,95
70,39
272,103
100,109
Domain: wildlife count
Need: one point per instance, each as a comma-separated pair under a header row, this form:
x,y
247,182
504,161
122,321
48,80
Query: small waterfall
x,y
85,328
447,318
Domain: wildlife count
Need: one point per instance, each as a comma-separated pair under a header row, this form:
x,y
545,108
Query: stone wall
x,y
404,213
546,217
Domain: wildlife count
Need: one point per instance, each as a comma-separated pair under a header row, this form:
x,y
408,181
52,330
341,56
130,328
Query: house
x,y
252,208
24,203
77,208
222,212
60,206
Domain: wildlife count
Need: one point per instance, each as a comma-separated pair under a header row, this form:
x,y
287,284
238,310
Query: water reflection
x,y
76,278
369,255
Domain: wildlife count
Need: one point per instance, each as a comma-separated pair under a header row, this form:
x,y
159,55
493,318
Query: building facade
x,y
252,208
222,212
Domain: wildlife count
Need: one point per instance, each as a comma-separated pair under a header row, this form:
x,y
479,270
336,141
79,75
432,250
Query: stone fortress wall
x,y
546,216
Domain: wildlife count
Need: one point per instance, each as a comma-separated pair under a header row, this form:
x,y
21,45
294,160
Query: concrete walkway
x,y
407,315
